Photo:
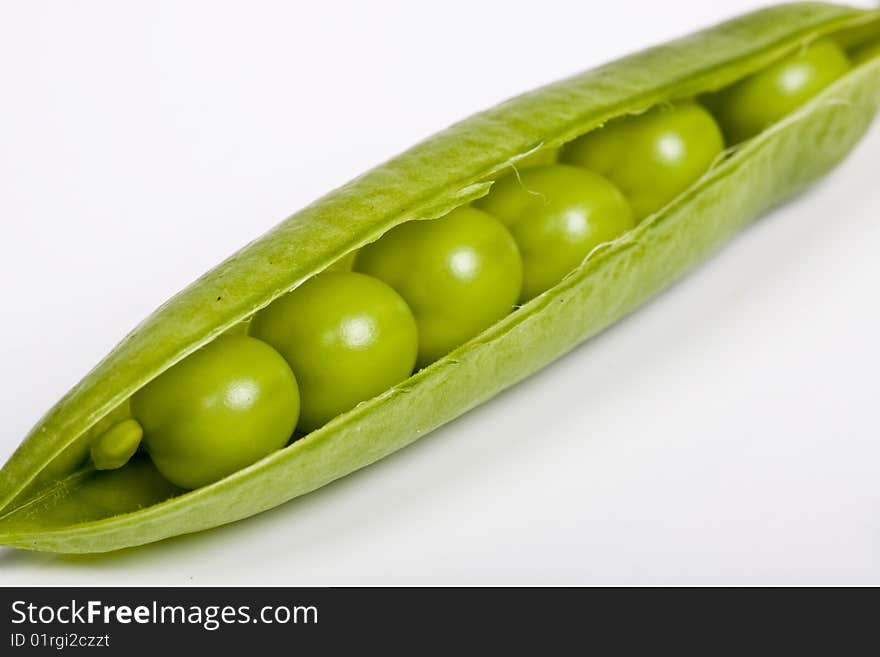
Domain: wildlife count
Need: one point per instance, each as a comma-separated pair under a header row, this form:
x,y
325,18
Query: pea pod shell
x,y
48,504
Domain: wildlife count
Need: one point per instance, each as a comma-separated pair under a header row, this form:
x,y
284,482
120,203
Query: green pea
x,y
115,447
348,337
651,157
751,105
217,411
557,214
460,274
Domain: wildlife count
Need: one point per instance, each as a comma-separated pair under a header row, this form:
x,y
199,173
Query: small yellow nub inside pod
x,y
113,448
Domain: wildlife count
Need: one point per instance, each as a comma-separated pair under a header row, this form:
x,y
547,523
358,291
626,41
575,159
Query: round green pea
x,y
220,409
753,104
557,214
347,336
460,274
651,157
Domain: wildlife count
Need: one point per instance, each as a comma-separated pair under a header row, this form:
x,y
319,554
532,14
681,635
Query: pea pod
x,y
50,501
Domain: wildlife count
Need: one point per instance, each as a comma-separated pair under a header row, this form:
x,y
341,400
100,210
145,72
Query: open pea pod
x,y
51,499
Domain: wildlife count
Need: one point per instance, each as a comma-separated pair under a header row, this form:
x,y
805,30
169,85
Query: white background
x,y
726,433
